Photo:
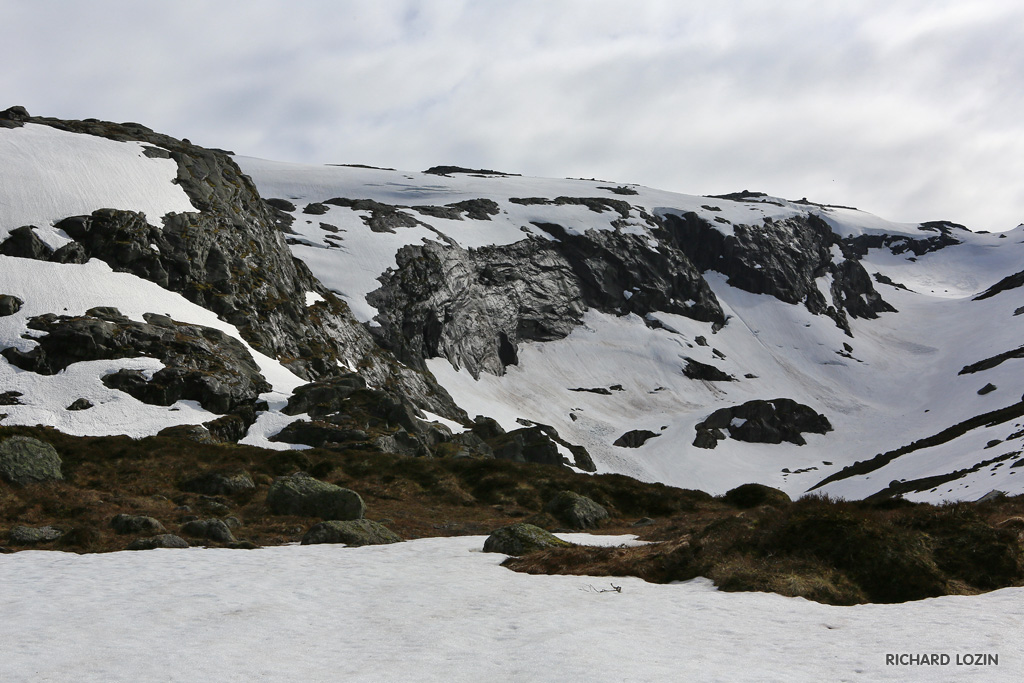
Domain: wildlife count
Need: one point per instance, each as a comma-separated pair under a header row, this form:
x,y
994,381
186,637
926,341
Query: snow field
x,y
441,610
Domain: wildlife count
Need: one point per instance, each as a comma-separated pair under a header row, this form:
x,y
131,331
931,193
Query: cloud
x,y
907,109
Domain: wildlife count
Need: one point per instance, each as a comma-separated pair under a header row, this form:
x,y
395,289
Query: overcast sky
x,y
910,110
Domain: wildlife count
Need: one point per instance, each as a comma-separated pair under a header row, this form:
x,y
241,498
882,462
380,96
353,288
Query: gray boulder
x,y
576,511
522,538
210,529
301,495
136,524
26,535
159,541
24,461
217,484
355,532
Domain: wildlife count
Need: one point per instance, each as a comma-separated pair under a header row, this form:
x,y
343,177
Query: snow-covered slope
x,y
897,383
609,312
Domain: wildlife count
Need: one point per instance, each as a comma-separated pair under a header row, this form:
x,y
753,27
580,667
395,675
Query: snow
x,y
50,174
68,289
441,610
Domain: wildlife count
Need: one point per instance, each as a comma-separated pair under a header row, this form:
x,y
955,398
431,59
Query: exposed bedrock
x,y
783,258
475,306
774,421
201,363
231,257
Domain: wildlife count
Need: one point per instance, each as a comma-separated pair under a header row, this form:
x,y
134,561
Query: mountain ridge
x,y
494,295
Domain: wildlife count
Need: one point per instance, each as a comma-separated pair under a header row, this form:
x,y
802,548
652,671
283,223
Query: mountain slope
x,y
645,332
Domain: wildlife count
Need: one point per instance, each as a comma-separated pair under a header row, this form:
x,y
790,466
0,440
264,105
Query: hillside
x,y
605,326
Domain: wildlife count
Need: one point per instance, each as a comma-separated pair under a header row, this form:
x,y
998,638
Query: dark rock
x,y
522,538
635,438
576,511
775,421
382,218
282,204
323,398
13,117
596,390
159,541
202,364
754,495
24,243
80,404
24,461
26,535
354,533
987,389
136,524
302,495
315,209
217,483
10,398
529,444
9,304
209,529
696,370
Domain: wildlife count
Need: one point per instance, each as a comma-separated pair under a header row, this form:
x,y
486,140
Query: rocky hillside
x,y
148,285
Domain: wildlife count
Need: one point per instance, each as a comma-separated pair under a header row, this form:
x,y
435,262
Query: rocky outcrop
x,y
9,304
201,363
635,438
522,538
24,461
303,496
775,421
783,258
355,532
576,511
229,256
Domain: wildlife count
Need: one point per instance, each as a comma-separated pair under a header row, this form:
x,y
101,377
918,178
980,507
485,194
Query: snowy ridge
x,y
894,380
898,384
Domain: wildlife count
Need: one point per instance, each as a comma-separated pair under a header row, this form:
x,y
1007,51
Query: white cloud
x,y
907,109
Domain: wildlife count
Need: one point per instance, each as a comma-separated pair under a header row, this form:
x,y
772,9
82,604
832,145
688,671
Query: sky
x,y
908,109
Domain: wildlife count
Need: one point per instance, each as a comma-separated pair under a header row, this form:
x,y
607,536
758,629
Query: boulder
x,y
218,484
136,524
301,495
210,529
354,532
635,438
159,541
522,538
197,433
9,304
759,421
576,511
80,404
755,495
26,535
24,461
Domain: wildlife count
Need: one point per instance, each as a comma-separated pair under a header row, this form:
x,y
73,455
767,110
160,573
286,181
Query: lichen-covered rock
x,y
218,483
755,495
301,495
159,541
197,433
576,511
522,538
210,529
136,524
354,532
27,535
24,461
